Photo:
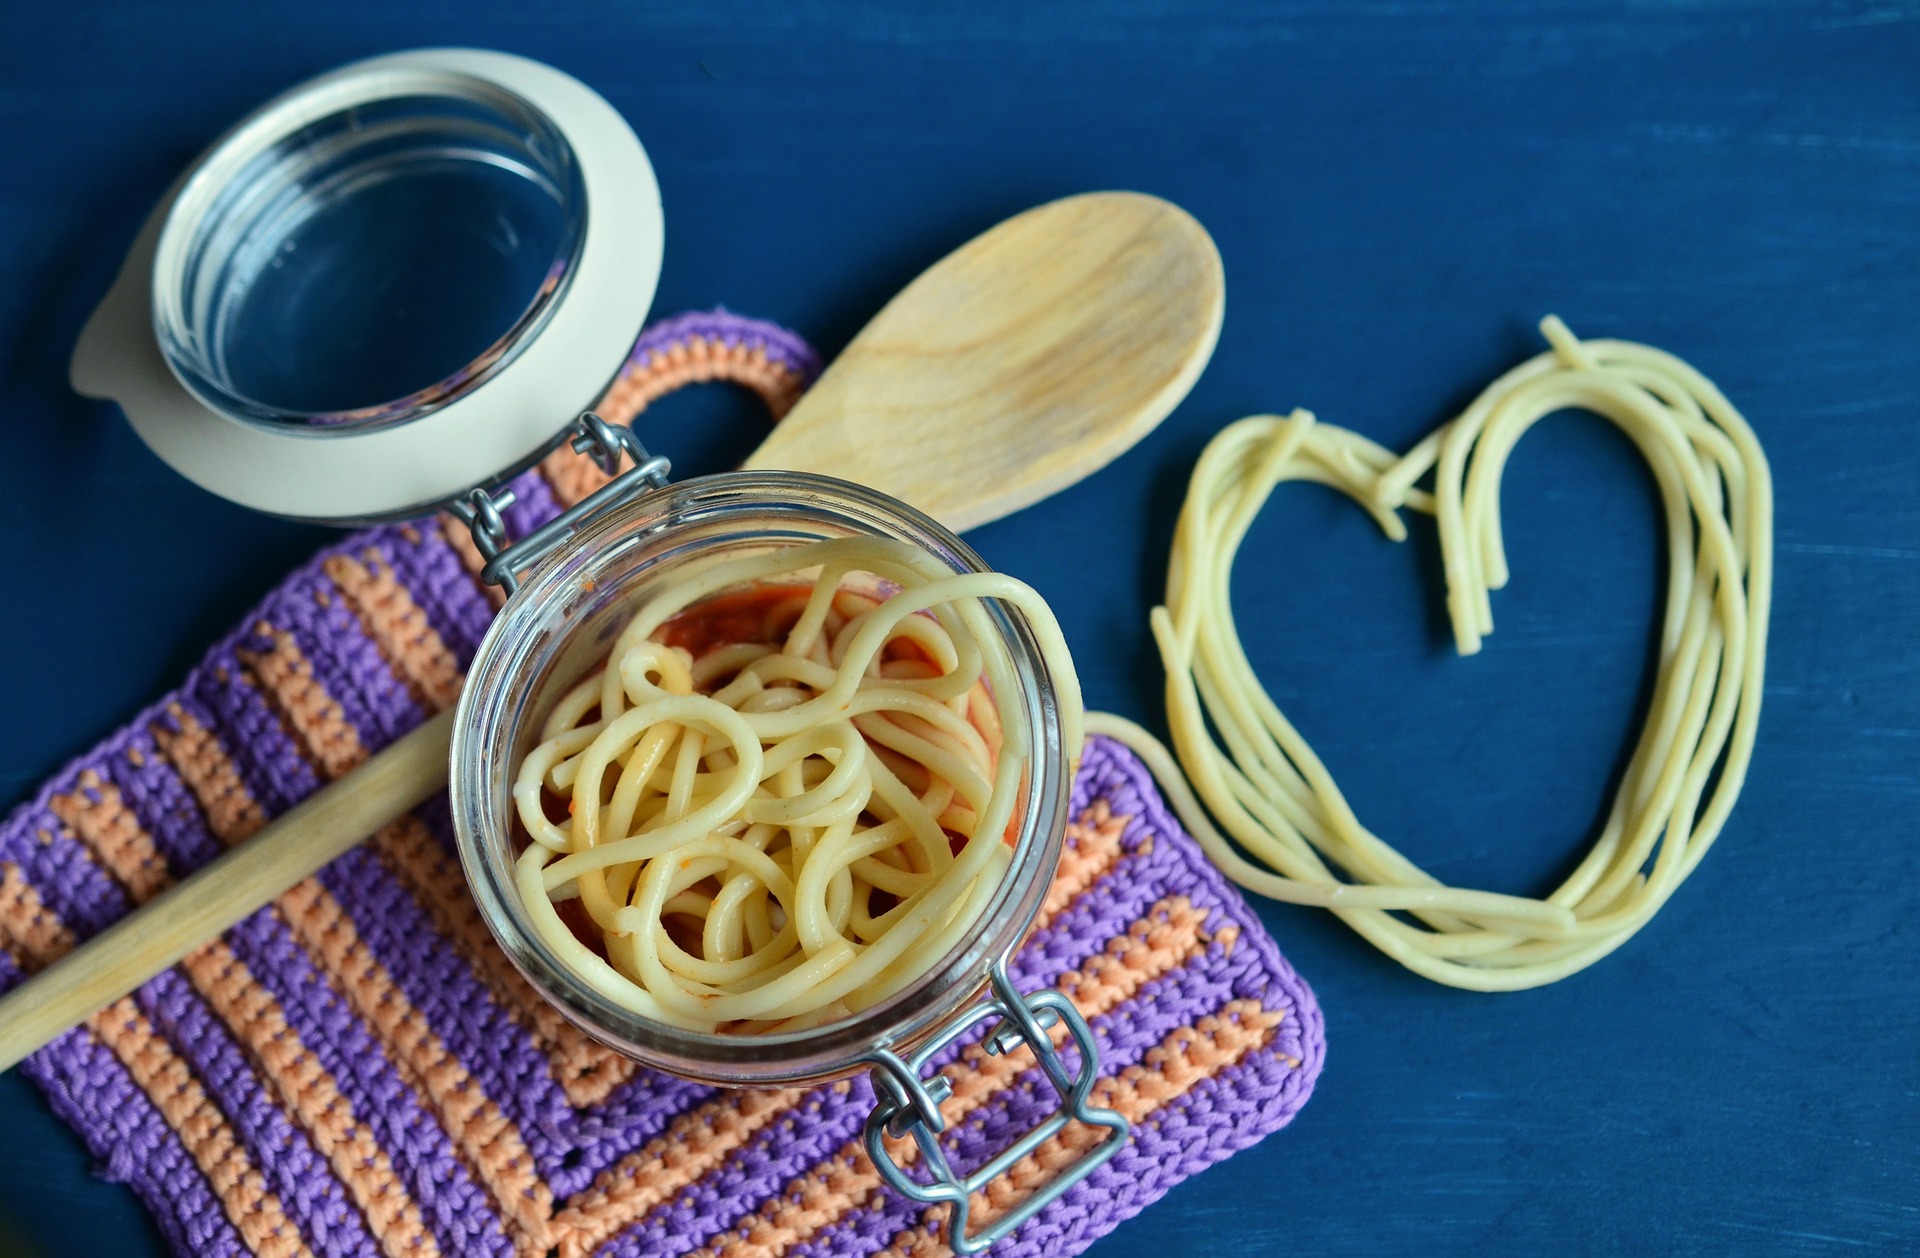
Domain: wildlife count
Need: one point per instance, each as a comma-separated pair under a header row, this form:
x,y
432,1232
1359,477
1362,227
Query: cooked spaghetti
x,y
1263,783
789,792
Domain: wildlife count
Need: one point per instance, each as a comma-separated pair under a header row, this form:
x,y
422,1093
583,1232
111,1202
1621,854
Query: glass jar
x,y
560,625
261,338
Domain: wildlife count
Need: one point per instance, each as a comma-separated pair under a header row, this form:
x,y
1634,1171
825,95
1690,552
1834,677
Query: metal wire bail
x,y
600,441
909,1105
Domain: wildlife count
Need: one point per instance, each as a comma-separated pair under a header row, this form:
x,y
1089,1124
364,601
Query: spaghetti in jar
x,y
768,775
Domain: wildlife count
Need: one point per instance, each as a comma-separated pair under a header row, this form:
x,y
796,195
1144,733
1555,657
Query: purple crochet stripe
x,y
1137,880
159,799
445,591
571,1148
313,1198
720,324
454,1207
60,869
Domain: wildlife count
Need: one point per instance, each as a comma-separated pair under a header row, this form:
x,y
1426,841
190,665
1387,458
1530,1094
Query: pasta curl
x,y
789,791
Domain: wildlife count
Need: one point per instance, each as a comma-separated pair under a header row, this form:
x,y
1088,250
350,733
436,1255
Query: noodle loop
x,y
1268,790
789,792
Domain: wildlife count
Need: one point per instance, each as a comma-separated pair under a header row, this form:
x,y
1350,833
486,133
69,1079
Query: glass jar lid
x,y
395,282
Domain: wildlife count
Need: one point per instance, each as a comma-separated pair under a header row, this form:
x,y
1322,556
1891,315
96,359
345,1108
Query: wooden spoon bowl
x,y
1021,363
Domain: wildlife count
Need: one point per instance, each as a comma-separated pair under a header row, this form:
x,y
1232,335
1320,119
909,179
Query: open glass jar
x,y
304,220
559,626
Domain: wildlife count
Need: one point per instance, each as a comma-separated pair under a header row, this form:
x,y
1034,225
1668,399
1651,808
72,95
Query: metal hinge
x,y
605,444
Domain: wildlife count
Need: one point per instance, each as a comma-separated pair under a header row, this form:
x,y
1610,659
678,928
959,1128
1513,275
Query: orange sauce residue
x,y
750,615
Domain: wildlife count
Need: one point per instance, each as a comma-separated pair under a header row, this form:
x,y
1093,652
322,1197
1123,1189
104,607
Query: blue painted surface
x,y
1399,190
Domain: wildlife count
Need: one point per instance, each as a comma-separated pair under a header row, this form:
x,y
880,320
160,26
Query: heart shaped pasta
x,y
1259,778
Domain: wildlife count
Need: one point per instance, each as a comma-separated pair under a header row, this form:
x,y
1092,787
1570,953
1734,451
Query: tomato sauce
x,y
743,616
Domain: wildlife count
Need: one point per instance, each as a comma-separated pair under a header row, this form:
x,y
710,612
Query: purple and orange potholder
x,y
357,1069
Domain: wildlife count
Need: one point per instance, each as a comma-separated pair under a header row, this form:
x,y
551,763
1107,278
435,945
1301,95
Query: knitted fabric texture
x,y
358,1070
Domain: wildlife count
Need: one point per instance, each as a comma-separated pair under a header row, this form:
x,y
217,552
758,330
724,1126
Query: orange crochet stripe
x,y
36,938
306,1090
695,360
585,1070
312,1098
694,1144
1171,934
33,934
487,1140
623,1193
96,812
398,626
230,809
1182,1060
287,683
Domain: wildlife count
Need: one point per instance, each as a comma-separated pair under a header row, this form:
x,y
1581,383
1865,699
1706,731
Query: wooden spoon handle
x,y
180,919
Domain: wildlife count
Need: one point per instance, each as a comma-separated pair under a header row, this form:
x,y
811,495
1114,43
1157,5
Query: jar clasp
x,y
909,1105
592,436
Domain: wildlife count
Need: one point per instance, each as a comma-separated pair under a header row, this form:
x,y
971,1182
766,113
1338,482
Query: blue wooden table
x,y
1399,191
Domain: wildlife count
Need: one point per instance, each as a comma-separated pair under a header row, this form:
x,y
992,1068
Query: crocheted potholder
x,y
358,1069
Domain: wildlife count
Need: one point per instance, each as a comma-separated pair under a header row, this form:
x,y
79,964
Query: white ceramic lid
x,y
514,413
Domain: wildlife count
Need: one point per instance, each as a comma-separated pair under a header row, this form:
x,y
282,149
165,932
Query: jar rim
x,y
227,199
522,638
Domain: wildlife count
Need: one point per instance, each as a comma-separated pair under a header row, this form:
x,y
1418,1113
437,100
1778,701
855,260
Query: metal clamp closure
x,y
909,1105
605,444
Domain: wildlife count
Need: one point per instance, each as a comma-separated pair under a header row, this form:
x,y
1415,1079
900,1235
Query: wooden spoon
x,y
1024,361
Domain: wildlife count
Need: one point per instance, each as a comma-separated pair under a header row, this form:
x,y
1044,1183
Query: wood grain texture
x,y
1027,359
